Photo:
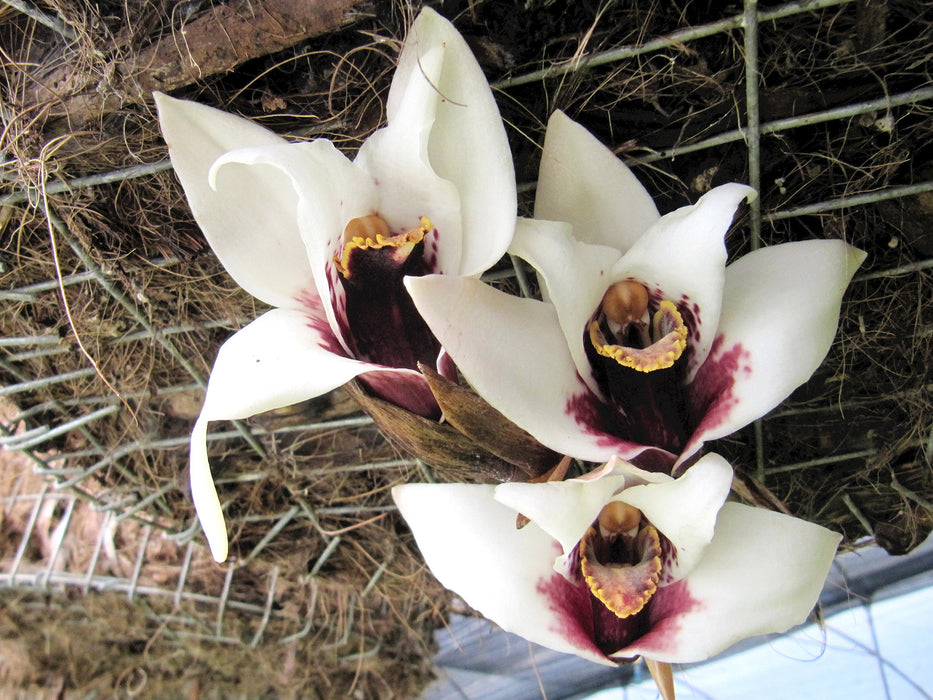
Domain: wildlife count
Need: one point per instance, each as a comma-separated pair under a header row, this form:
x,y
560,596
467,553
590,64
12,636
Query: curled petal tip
x,y
204,494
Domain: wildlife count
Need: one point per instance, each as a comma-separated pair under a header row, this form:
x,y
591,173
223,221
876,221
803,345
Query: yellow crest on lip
x,y
371,232
663,353
622,587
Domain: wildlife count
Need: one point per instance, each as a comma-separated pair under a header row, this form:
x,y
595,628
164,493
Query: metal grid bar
x,y
753,146
681,36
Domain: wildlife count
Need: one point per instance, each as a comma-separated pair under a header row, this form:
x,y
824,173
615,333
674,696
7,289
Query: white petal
x,y
512,351
397,159
580,181
780,312
283,357
469,147
682,258
563,509
328,192
249,220
204,495
472,546
685,509
762,573
574,276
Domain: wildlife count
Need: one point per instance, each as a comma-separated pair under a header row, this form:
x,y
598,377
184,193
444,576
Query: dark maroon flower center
x,y
636,350
620,563
382,324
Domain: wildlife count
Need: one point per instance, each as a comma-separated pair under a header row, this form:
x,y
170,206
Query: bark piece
x,y
214,42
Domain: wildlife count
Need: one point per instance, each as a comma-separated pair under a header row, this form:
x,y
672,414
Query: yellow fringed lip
x,y
667,326
624,587
372,232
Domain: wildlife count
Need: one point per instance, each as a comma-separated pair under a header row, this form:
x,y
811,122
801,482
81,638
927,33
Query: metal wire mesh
x,y
65,438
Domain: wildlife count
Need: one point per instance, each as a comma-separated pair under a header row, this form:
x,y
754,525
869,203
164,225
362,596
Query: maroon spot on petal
x,y
599,420
431,249
654,459
316,320
666,609
669,560
711,393
570,604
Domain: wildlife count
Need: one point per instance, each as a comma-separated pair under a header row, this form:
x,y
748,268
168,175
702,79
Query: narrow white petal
x,y
397,159
682,258
283,357
574,275
472,546
250,218
513,352
563,509
762,573
580,181
204,495
780,312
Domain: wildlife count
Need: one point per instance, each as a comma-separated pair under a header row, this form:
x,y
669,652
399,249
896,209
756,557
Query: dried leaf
x,y
479,421
456,456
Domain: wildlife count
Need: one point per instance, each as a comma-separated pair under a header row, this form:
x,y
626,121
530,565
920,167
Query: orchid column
x,y
327,241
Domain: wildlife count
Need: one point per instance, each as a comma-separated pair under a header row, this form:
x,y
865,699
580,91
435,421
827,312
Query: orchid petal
x,y
467,144
762,573
397,159
573,274
514,354
780,312
685,509
204,494
682,258
563,509
283,357
329,191
249,219
580,181
472,547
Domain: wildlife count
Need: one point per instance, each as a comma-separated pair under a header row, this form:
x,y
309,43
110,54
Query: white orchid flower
x,y
327,240
650,345
622,562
